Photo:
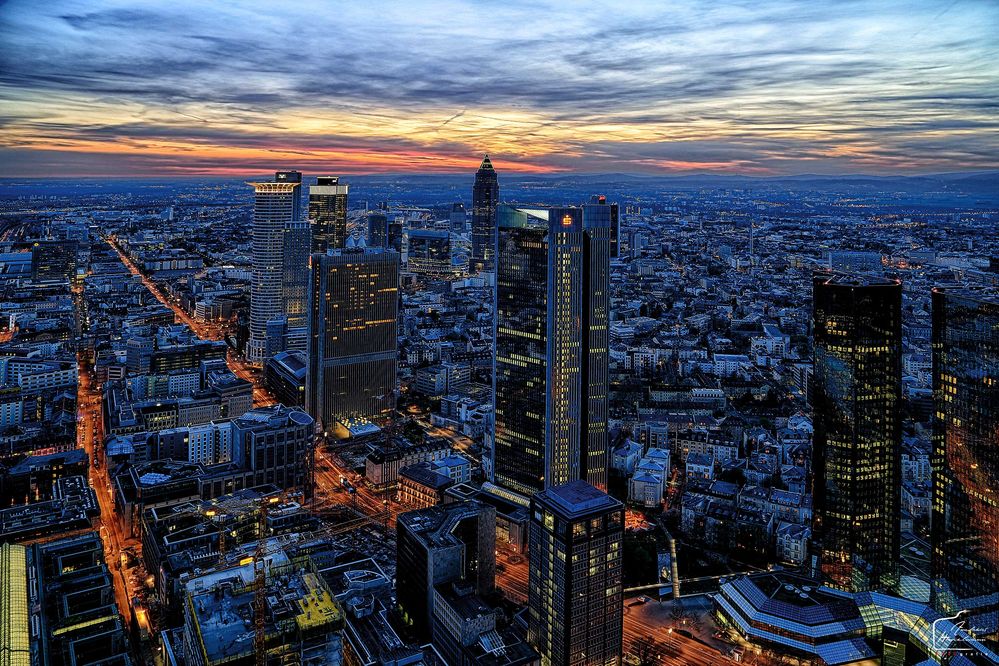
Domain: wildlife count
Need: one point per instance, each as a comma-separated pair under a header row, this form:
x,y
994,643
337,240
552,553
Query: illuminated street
x,y
239,367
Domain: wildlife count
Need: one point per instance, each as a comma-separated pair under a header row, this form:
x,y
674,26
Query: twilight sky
x,y
756,87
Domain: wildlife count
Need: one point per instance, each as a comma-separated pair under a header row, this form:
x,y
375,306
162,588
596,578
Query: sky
x,y
752,87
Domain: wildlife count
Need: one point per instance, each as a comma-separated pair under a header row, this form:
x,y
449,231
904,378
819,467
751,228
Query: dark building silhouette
x,y
485,197
429,252
53,260
575,613
458,217
352,345
383,232
857,330
451,543
551,333
965,520
328,213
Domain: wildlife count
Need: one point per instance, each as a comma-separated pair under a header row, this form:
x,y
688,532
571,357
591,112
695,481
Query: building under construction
x,y
271,609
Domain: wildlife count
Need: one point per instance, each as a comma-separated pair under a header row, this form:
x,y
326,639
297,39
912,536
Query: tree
x,y
645,651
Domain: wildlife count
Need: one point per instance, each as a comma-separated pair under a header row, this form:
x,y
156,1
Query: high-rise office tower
x,y
352,343
377,229
277,205
857,381
965,520
295,273
328,213
485,197
450,543
54,260
457,217
551,332
384,232
615,223
574,602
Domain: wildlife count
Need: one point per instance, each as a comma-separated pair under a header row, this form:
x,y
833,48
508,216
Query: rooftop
x,y
577,498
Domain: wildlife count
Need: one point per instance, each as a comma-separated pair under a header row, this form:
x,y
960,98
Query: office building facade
x,y
551,332
450,543
458,217
485,198
352,342
965,458
328,213
277,206
856,466
429,252
575,613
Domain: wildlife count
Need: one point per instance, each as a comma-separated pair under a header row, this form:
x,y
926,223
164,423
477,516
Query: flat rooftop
x,y
577,498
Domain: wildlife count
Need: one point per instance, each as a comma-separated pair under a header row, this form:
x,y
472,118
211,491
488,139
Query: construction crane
x,y
260,583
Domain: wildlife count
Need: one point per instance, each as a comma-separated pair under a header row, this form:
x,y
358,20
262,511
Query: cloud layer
x,y
789,86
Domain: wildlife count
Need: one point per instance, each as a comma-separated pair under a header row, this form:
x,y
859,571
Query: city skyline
x,y
651,333
787,87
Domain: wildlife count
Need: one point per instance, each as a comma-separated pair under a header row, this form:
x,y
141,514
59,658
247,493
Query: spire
x,y
486,164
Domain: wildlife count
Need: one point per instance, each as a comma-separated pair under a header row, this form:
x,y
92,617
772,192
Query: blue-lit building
x,y
796,616
551,332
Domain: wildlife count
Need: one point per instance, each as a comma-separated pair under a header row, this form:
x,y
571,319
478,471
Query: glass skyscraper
x,y
551,332
485,197
277,206
965,519
857,377
575,610
328,213
352,346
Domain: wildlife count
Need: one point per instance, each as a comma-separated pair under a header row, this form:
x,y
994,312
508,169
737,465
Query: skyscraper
x,y
857,331
965,520
295,272
575,611
383,232
352,344
277,205
615,223
485,197
328,213
551,335
457,217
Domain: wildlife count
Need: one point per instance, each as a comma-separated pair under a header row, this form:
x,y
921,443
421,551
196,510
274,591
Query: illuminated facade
x,y
485,197
352,343
575,610
384,232
551,335
328,213
295,273
856,467
965,519
277,206
429,252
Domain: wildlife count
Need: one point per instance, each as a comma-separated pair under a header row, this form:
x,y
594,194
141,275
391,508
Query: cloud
x,y
764,86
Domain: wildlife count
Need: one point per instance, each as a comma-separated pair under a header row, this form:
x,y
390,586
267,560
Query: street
x,y
239,367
